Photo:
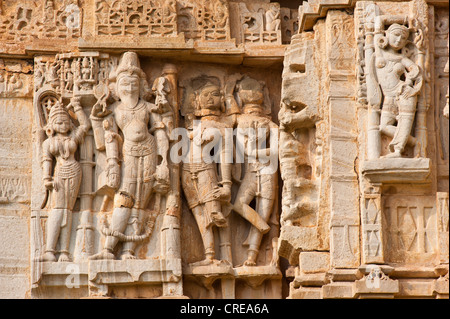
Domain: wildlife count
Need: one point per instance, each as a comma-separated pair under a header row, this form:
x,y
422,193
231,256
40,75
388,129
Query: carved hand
x,y
162,179
50,184
222,193
99,109
407,92
113,170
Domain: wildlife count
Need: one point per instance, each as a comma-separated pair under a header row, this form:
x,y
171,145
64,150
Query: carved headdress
x,y
55,110
200,84
129,65
403,29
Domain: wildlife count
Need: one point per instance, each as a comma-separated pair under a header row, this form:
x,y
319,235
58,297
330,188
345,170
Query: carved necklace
x,y
136,107
63,146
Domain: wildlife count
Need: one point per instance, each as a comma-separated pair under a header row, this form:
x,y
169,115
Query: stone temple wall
x,y
224,149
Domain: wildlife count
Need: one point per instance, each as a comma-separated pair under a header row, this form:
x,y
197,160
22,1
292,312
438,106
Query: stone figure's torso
x,y
133,122
390,70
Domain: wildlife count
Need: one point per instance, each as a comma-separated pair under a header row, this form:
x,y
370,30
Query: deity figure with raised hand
x,y
207,194
63,182
260,180
394,82
134,138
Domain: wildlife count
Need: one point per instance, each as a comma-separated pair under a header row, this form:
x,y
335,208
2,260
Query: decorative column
x,y
345,220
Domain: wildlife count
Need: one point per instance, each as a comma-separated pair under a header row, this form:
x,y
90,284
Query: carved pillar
x,y
441,285
170,231
371,226
85,231
419,10
345,252
443,217
373,126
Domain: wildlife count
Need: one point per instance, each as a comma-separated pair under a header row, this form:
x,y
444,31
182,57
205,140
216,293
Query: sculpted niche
x,y
119,172
395,81
395,57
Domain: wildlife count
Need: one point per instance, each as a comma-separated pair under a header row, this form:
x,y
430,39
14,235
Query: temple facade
x,y
224,149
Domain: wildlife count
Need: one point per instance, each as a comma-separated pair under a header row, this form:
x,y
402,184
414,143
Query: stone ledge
x,y
341,290
414,272
294,239
384,288
397,170
137,271
312,10
111,272
311,280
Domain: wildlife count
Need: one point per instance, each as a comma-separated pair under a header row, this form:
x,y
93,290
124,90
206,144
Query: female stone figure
x,y
257,183
205,192
64,184
136,174
397,81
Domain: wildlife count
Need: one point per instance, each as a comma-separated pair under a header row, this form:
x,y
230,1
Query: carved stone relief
x,y
224,149
261,23
123,186
387,84
412,231
232,202
40,20
136,18
204,20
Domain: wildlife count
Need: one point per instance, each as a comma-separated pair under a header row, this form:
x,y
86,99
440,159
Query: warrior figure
x,y
258,183
207,195
136,174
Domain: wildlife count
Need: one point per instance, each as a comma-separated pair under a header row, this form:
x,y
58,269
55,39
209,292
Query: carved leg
x,y
133,228
64,237
53,230
207,236
207,181
241,206
255,236
388,128
387,121
119,223
137,214
402,134
215,210
225,244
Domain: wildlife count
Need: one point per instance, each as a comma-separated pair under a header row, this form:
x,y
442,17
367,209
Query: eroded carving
x,y
136,18
206,193
204,20
64,179
261,23
394,56
260,181
140,170
23,22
